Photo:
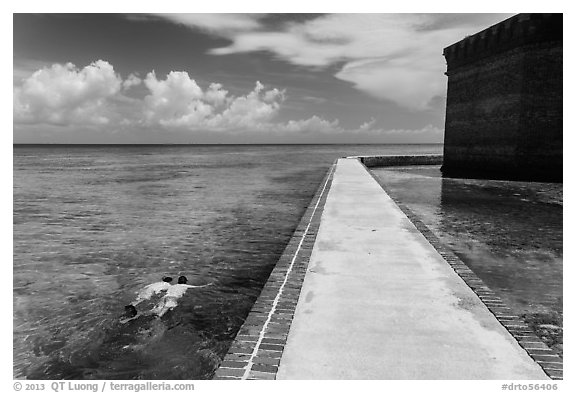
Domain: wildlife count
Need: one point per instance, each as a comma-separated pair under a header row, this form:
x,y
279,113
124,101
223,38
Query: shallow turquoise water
x,y
94,224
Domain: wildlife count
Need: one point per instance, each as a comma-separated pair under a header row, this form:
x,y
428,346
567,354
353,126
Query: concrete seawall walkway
x,y
379,302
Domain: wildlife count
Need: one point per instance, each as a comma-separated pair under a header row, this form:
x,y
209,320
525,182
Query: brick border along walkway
x,y
257,348
551,363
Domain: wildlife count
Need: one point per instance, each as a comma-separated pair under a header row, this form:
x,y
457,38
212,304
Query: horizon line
x,y
211,144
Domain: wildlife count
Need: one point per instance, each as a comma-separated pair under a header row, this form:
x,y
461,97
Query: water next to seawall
x,y
94,224
508,232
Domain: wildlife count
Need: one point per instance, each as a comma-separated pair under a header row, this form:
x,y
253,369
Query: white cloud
x,y
216,94
314,124
24,68
396,57
410,86
132,80
367,125
175,101
64,94
251,110
218,23
369,128
179,102
429,130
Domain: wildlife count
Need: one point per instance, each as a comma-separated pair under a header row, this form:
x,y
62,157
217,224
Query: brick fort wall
x,y
504,101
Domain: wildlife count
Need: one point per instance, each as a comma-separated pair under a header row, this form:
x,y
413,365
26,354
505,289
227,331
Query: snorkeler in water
x,y
149,290
175,292
130,311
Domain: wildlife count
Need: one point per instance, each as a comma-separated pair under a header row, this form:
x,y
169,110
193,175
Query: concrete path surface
x,y
378,301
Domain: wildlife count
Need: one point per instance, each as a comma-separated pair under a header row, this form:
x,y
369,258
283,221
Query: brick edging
x,y
549,360
257,349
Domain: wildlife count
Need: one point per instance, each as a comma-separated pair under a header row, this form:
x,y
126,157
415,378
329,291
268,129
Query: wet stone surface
x,y
508,233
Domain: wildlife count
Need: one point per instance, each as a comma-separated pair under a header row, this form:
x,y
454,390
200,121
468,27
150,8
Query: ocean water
x,y
94,224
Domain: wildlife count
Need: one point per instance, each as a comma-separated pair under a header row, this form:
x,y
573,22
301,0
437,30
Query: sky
x,y
233,78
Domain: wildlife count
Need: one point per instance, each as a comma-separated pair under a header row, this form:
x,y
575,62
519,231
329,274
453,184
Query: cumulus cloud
x,y
132,80
175,101
178,101
395,57
428,129
367,125
252,110
215,94
314,124
64,94
23,68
